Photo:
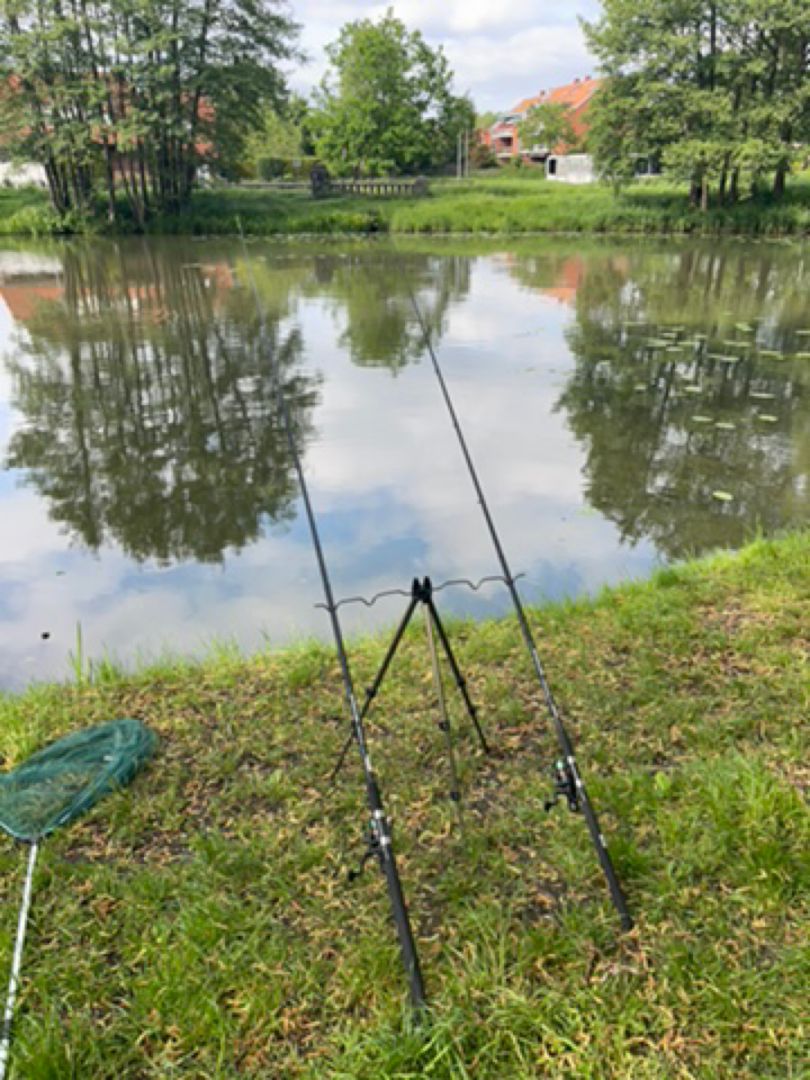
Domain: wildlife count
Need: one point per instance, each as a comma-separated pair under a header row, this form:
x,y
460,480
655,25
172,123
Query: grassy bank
x,y
200,924
497,203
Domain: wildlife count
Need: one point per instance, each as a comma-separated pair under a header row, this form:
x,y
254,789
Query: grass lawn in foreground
x,y
199,923
501,202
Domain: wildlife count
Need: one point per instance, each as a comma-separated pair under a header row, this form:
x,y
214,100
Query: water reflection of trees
x,y
372,290
147,395
687,384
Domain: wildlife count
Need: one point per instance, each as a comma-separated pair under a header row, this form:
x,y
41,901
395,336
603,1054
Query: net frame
x,y
66,778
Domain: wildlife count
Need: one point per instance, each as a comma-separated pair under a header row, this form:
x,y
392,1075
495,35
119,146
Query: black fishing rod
x,y
380,844
568,782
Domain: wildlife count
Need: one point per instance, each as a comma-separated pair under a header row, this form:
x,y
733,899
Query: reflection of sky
x,y
390,490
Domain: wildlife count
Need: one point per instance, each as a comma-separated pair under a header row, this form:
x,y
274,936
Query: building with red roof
x,y
503,139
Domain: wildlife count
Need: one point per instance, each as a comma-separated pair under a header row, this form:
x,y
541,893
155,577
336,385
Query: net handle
x,y
16,963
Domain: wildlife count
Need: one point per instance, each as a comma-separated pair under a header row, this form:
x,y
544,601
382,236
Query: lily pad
x,y
698,418
725,425
766,418
722,496
761,395
640,387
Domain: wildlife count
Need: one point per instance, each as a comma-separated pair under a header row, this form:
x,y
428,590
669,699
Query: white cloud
x,y
499,52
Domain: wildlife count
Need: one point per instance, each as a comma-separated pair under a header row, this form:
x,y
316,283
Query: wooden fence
x,y
375,187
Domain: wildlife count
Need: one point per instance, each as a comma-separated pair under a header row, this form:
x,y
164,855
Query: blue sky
x,y
500,52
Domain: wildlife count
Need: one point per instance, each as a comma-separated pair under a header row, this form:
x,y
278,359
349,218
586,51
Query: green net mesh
x,y
66,778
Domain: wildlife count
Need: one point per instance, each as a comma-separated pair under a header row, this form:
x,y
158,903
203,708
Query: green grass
x,y
199,924
502,202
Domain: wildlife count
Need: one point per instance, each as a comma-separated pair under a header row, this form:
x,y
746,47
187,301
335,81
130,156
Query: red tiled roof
x,y
574,95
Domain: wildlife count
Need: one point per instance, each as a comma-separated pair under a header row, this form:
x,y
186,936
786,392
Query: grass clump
x,y
200,923
499,202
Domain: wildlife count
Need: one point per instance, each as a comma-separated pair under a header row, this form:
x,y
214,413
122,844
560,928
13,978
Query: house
x,y
503,138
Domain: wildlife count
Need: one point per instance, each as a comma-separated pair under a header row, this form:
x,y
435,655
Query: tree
x,y
387,105
151,409
547,124
718,89
138,94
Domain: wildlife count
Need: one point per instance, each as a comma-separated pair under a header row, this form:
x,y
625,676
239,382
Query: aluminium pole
x,y
569,780
381,844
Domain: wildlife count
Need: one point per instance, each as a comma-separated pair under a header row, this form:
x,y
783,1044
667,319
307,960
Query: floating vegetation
x,y
770,354
761,395
693,389
725,425
803,355
744,328
803,333
640,387
657,343
767,418
722,496
698,418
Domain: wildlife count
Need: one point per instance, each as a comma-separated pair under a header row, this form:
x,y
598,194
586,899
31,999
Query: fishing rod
x,y
380,843
568,782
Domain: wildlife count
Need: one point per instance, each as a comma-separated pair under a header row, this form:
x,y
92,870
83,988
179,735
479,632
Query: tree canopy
x,y
386,105
547,124
137,93
717,89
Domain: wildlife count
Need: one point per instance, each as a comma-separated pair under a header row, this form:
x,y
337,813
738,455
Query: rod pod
x,y
380,843
567,779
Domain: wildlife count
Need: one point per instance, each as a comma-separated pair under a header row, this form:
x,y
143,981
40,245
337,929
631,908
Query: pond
x,y
627,403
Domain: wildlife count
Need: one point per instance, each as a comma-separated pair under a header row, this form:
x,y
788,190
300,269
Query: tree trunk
x,y
704,193
779,180
734,186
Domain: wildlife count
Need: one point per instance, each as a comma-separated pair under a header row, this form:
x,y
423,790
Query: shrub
x,y
271,168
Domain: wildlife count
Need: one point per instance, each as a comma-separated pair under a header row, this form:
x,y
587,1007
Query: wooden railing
x,y
376,187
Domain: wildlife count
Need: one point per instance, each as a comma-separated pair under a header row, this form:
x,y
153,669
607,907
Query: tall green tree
x,y
386,105
718,89
137,94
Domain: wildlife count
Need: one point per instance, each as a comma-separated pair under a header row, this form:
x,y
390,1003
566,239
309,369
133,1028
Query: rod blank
x,y
381,843
577,789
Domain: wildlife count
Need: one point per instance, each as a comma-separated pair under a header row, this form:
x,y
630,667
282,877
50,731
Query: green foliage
x,y
502,201
547,124
282,133
270,168
133,99
386,106
719,91
483,156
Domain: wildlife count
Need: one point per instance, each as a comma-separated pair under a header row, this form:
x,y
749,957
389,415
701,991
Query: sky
x,y
500,51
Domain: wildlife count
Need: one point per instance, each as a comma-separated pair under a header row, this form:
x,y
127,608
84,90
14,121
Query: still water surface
x,y
626,403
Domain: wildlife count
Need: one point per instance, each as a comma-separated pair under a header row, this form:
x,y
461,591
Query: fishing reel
x,y
565,787
373,851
